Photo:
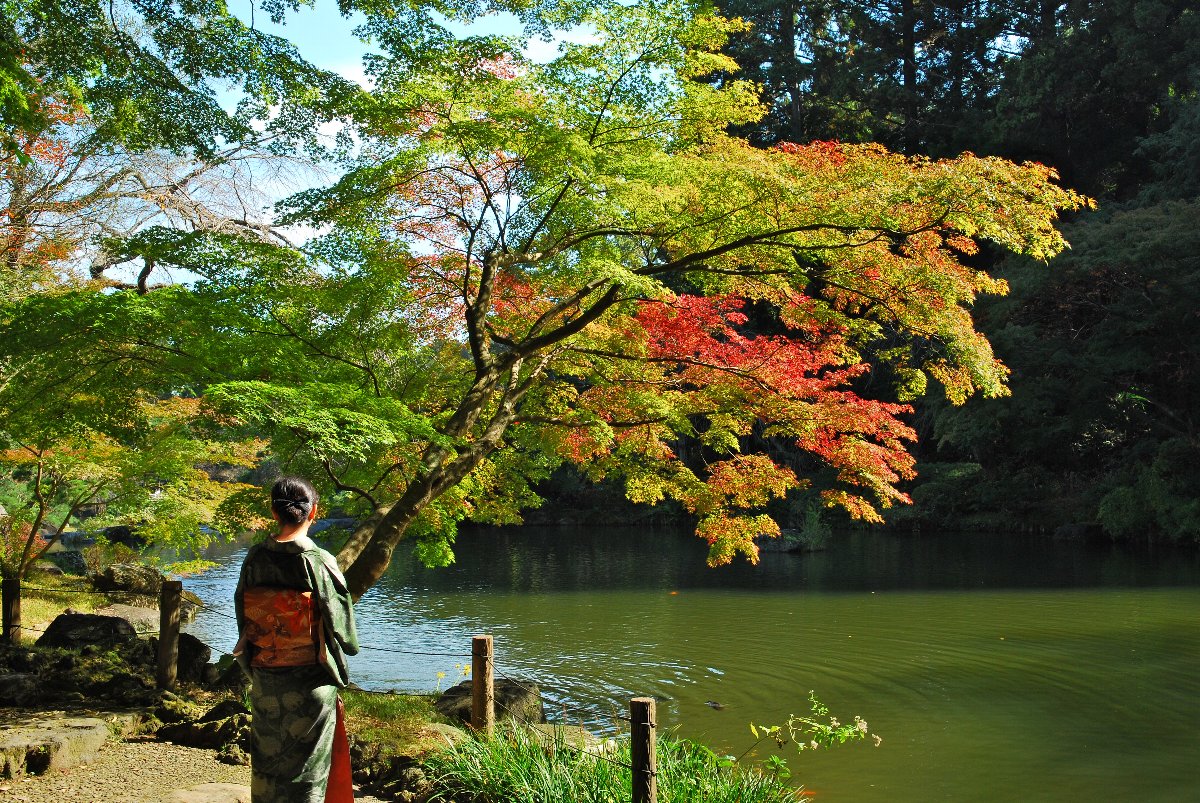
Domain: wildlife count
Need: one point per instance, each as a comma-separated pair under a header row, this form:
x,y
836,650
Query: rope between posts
x,y
414,652
557,743
85,591
217,611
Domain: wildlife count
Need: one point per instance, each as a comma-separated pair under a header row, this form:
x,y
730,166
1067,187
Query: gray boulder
x,y
321,525
519,700
573,736
123,534
134,577
76,630
143,620
194,656
192,665
69,560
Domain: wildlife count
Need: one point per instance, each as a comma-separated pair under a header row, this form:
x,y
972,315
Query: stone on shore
x,y
572,736
516,700
19,689
225,727
143,620
134,577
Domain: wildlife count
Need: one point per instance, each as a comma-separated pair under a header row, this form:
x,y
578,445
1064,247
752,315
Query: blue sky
x,y
327,39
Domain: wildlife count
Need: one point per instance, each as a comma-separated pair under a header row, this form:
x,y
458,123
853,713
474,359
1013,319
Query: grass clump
x,y
395,724
518,767
39,608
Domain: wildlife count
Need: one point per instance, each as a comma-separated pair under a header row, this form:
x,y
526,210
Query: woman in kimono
x,y
296,621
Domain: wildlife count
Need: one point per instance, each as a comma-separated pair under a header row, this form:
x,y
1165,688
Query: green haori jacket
x,y
302,565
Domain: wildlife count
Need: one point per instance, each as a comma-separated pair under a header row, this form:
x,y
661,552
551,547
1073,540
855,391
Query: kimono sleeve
x,y
337,614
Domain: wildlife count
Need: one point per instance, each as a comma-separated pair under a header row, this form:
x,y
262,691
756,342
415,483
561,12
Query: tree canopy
x,y
529,264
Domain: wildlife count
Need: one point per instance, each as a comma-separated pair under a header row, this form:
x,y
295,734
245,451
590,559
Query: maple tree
x,y
110,137
88,419
90,427
70,199
536,263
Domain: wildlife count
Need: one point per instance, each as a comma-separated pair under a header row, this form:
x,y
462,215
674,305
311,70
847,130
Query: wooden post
x,y
483,691
168,632
12,610
642,725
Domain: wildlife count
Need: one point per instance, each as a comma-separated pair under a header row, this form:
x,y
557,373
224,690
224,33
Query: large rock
x,y
134,577
320,525
125,535
519,700
573,737
69,560
194,656
35,745
76,630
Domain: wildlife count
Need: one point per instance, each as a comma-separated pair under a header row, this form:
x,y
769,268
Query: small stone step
x,y
36,744
230,793
211,793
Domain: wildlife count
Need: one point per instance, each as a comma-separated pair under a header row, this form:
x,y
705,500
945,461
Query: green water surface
x,y
994,668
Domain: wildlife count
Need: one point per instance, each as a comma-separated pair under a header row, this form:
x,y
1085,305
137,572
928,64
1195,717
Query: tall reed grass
x,y
520,766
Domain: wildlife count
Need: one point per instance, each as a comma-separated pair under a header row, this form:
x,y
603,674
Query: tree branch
x,y
341,486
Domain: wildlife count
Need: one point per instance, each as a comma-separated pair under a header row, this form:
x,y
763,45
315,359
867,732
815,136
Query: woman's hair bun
x,y
292,499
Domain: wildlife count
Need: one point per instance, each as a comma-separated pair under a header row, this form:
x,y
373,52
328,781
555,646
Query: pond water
x,y
995,667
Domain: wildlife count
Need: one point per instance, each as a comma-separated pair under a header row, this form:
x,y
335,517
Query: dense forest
x,y
753,263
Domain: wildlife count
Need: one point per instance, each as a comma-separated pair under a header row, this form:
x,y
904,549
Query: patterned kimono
x,y
297,627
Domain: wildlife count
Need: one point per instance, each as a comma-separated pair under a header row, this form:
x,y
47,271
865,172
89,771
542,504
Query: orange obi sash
x,y
283,625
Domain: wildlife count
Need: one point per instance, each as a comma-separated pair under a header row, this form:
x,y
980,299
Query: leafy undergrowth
x,y
516,767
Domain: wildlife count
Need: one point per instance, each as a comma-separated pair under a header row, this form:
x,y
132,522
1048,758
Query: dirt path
x,y
129,772
126,772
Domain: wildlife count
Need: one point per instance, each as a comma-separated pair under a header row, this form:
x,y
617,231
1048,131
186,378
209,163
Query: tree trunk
x,y
1049,19
367,553
791,69
908,70
908,37
373,560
